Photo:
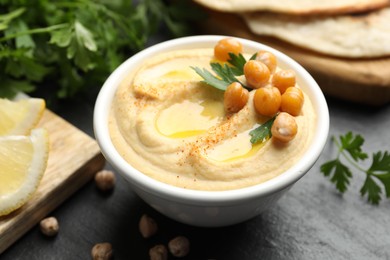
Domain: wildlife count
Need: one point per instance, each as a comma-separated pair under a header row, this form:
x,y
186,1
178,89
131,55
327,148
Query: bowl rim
x,y
199,197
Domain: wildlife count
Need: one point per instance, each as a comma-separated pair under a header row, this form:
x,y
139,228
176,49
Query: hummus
x,y
172,127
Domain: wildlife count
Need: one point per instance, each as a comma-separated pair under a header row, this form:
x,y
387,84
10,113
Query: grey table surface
x,y
312,221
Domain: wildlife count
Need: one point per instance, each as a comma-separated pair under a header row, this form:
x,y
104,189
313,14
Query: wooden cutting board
x,y
365,81
74,158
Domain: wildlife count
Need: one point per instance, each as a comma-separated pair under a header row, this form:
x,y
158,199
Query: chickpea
x,y
256,73
226,46
284,79
147,226
179,246
49,226
268,59
102,251
158,252
235,97
284,127
267,101
292,101
105,180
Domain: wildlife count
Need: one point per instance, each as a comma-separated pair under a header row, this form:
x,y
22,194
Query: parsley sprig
x,y
377,175
224,75
263,132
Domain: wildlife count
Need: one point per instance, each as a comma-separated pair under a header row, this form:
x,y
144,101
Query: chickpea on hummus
x,y
173,127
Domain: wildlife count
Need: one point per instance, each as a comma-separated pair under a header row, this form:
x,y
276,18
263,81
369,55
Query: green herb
x,y
237,62
224,74
210,79
263,132
67,47
377,175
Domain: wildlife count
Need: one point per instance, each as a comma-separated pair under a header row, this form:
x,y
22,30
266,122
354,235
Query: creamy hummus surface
x,y
172,127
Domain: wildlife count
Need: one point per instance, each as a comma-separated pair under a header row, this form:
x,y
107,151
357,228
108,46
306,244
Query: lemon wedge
x,y
19,117
23,161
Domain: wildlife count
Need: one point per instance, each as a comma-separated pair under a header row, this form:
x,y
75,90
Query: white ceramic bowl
x,y
208,208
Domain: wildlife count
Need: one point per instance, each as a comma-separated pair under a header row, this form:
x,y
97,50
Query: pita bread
x,y
353,36
295,6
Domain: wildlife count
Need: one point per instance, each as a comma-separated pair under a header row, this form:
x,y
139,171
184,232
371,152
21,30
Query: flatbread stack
x,y
356,36
349,31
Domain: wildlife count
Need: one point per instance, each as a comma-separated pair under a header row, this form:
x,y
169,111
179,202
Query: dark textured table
x,y
312,221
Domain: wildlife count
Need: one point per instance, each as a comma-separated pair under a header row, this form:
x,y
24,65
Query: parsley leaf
x,y
377,175
210,79
80,46
352,144
380,162
263,132
339,174
380,169
372,189
237,62
226,73
385,180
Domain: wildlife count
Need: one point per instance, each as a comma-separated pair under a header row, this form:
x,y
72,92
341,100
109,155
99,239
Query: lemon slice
x,y
23,161
19,117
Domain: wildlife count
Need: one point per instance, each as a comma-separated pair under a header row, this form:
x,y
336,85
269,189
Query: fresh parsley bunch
x,y
377,175
71,46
